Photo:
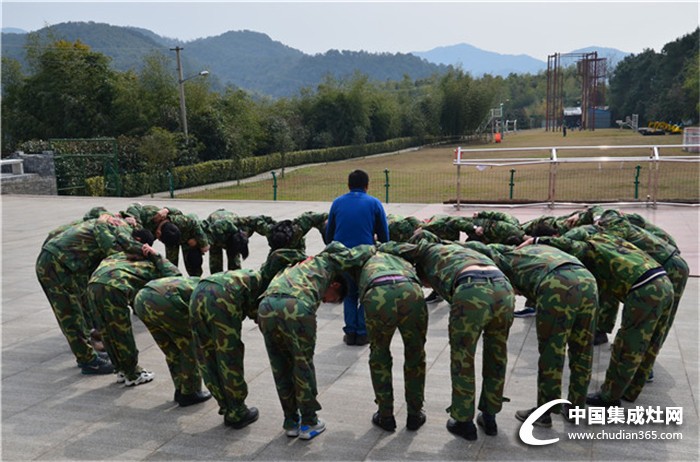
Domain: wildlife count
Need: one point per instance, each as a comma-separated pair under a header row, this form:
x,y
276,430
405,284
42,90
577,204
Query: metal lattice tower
x,y
592,71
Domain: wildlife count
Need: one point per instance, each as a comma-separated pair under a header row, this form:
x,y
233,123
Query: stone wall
x,y
39,175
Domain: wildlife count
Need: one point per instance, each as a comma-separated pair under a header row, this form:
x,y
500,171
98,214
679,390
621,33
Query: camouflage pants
x,y
638,340
111,308
566,305
289,329
216,260
65,292
479,305
169,325
216,325
608,307
677,270
172,253
388,307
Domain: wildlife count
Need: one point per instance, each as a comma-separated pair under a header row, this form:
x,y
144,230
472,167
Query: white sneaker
x,y
120,377
143,377
306,432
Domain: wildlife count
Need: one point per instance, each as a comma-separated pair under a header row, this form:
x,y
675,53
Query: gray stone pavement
x,y
52,412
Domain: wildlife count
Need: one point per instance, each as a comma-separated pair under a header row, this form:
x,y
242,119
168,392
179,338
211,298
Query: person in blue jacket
x,y
354,219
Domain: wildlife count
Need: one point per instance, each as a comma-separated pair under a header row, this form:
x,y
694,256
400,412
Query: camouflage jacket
x,y
219,226
129,273
302,225
448,227
615,263
177,289
613,222
440,263
190,228
385,264
241,288
401,228
308,281
82,247
497,231
91,214
528,266
145,214
639,220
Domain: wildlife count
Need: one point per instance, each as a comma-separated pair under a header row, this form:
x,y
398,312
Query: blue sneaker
x,y
527,312
650,378
97,366
307,432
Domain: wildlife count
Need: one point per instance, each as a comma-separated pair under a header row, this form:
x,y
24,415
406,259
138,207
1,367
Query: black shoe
x,y
488,423
565,408
415,421
349,339
361,340
191,398
250,417
386,423
600,338
466,430
545,420
594,399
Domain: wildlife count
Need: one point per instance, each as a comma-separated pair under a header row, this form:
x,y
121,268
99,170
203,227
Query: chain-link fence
x,y
625,174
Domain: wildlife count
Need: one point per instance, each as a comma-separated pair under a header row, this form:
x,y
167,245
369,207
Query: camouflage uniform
x,y
637,281
558,223
63,268
219,226
287,320
401,228
301,226
218,306
111,290
163,306
498,227
662,252
391,293
639,220
480,301
190,228
91,214
447,227
566,296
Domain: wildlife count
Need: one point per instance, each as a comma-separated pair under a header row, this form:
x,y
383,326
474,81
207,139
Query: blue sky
x,y
533,28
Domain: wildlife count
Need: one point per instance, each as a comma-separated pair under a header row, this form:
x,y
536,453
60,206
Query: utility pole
x,y
181,82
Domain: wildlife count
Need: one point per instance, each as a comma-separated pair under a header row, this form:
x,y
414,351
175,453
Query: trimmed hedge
x,y
216,171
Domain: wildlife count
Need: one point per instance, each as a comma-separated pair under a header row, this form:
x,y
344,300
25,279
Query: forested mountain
x,y
478,62
246,59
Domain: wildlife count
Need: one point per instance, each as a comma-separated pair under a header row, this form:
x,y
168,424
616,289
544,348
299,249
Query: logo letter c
x,y
526,429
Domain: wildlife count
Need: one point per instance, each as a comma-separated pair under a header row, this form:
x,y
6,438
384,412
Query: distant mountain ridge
x,y
256,63
479,62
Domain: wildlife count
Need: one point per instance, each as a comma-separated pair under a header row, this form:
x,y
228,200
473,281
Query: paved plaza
x,y
52,412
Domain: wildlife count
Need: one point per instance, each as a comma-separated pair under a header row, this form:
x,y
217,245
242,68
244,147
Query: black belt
x,y
386,280
479,275
648,277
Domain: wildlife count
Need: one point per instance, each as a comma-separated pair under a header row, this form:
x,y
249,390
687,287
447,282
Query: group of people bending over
x,y
575,270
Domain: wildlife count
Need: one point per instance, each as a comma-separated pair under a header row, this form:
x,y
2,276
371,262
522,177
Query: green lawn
x,y
429,176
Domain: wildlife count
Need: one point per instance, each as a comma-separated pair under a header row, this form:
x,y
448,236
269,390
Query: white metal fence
x,y
638,173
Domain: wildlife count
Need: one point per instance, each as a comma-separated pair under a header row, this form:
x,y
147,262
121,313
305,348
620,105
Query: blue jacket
x,y
355,218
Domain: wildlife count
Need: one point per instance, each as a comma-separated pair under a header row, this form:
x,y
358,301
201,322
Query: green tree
x,y
69,95
159,149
